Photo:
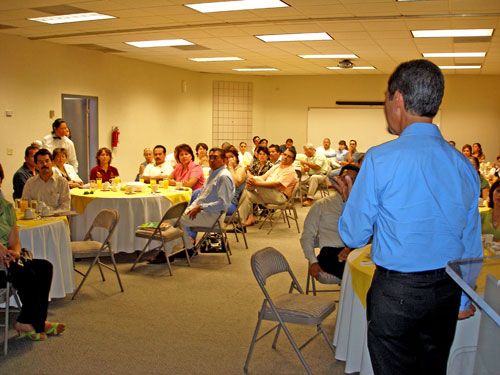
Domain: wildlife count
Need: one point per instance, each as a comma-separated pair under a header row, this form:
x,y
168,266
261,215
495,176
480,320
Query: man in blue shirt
x,y
418,197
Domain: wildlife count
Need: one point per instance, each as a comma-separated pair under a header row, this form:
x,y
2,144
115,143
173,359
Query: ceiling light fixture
x,y
160,43
344,56
207,59
451,33
455,54
294,37
256,69
460,67
226,6
68,18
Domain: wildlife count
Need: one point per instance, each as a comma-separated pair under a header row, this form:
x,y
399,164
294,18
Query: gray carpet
x,y
199,321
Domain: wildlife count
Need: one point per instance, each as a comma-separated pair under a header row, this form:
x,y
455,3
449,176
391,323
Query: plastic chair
x,y
5,294
218,227
286,308
88,248
236,222
164,235
286,210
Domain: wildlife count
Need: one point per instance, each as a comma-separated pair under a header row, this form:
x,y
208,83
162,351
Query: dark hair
x,y
278,149
243,142
162,147
254,138
201,144
293,151
233,151
56,124
453,143
29,148
263,140
263,149
353,140
475,162
59,150
41,152
467,146
100,151
289,140
2,175
183,147
350,167
492,190
421,83
480,149
219,150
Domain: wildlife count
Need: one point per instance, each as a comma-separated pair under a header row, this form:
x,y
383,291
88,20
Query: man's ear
x,y
399,100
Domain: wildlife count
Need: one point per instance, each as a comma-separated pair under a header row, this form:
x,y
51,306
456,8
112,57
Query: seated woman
x,y
467,150
477,151
201,154
262,164
239,177
186,171
32,280
485,185
148,156
490,220
103,169
67,171
244,156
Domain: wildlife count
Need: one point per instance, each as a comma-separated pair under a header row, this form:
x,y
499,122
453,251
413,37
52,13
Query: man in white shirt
x,y
58,139
315,167
161,169
47,187
326,149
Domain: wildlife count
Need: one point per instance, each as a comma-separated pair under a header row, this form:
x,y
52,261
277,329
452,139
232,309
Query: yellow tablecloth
x,y
23,224
80,200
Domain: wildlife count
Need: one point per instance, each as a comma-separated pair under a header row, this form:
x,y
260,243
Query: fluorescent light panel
x,y
460,67
345,56
451,33
354,67
455,54
294,37
160,43
68,18
256,69
226,6
207,59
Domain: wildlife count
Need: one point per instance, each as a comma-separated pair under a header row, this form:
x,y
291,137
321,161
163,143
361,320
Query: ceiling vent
x,y
345,64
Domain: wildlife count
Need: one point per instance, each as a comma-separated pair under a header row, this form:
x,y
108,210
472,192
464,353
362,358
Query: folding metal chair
x,y
217,227
236,222
88,248
165,234
286,308
286,210
323,278
5,294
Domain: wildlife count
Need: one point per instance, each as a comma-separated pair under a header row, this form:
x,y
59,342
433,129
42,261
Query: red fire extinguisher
x,y
114,137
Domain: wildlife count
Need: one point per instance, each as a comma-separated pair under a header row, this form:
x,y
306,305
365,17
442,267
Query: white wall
x,y
146,102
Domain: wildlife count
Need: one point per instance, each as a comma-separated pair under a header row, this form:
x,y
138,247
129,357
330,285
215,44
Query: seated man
x,y
161,168
275,154
47,187
315,169
326,150
275,186
25,172
320,230
352,156
288,146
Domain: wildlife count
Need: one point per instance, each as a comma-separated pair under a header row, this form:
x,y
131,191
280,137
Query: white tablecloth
x,y
350,333
133,210
50,240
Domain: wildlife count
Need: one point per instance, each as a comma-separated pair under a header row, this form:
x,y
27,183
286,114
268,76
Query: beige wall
x,y
146,101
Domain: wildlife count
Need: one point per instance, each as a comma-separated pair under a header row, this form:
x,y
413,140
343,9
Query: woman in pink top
x,y
187,171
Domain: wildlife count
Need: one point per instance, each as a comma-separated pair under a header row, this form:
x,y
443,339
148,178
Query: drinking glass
x,y
99,183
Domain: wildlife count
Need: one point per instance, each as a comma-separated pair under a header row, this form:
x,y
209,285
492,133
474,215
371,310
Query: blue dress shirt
x,y
217,192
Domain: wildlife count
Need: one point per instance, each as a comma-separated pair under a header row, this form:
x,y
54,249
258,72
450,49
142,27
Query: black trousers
x,y
411,321
329,262
32,281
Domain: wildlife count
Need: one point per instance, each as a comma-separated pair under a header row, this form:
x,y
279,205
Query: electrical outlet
x,y
10,151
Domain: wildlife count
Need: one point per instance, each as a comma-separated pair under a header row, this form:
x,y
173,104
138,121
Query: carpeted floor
x,y
199,321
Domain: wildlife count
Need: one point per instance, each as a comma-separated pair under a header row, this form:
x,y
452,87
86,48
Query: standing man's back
x,y
418,197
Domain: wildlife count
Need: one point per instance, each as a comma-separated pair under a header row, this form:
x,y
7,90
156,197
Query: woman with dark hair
x,y
467,150
31,278
490,220
2,176
485,185
477,151
262,164
61,168
103,169
239,176
187,170
202,154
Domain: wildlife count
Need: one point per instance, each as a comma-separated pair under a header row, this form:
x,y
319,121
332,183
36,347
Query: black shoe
x,y
160,259
182,254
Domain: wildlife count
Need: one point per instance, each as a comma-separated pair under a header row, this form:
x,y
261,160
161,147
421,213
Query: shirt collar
x,y
419,128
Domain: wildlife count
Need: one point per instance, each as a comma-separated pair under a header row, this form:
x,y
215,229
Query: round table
x,y
49,238
350,329
134,209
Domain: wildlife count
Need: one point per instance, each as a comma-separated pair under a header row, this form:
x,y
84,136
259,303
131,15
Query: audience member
x,y
485,185
239,176
276,186
32,279
263,142
58,139
201,154
490,219
160,169
148,159
103,169
244,156
225,144
320,230
315,169
453,143
326,150
477,151
2,176
46,186
274,154
341,153
187,170
262,164
26,171
467,150
65,170
353,155
288,146
255,140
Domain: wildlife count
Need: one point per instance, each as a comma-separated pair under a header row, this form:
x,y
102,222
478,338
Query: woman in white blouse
x,y
67,171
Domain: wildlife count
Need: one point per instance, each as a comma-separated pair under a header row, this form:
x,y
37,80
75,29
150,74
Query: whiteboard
x,y
367,126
